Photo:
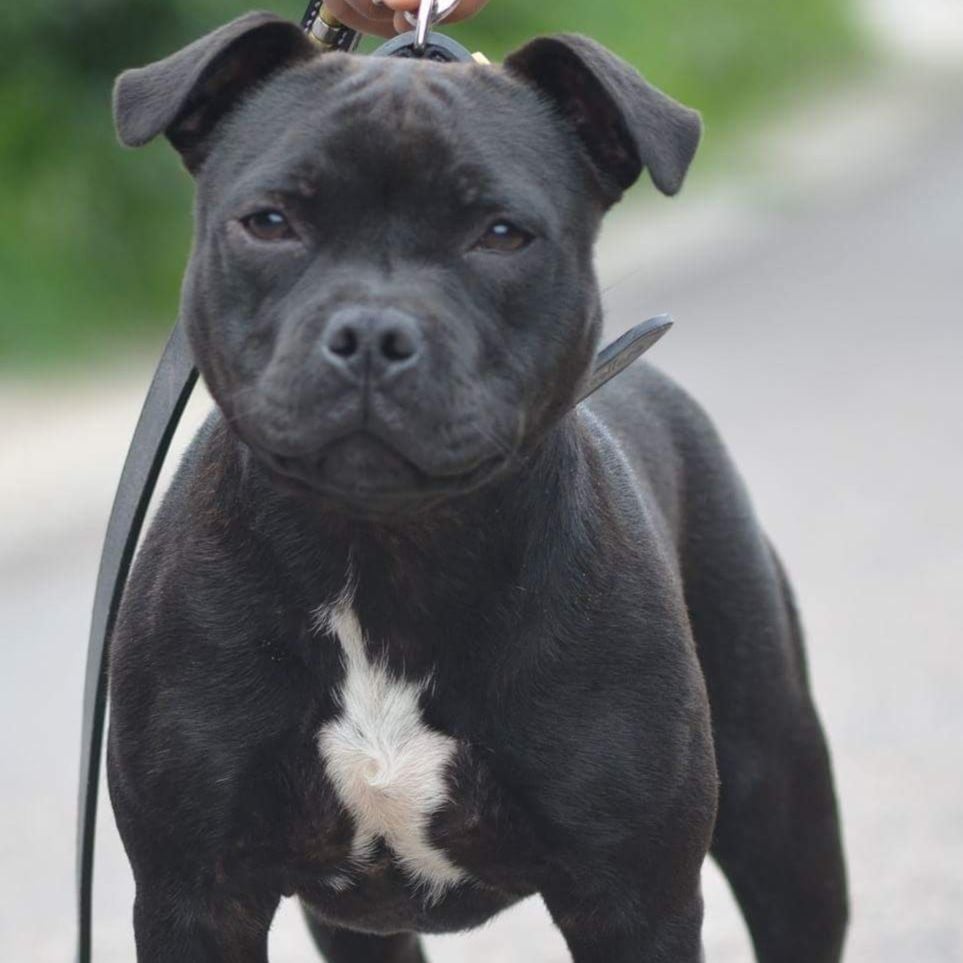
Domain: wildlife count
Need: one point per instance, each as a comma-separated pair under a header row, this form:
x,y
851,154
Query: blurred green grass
x,y
97,236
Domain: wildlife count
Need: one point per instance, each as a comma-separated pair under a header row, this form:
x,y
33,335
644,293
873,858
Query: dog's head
x,y
391,291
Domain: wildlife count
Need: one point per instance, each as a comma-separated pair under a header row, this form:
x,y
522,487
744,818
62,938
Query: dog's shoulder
x,y
205,615
190,534
666,433
195,493
646,405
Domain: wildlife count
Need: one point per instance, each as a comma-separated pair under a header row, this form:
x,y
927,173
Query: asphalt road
x,y
824,331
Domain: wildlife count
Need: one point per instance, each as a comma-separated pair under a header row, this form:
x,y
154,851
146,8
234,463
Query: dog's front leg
x,y
618,933
175,922
628,888
625,801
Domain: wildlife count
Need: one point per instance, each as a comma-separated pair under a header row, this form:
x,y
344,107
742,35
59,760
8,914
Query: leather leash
x,y
167,396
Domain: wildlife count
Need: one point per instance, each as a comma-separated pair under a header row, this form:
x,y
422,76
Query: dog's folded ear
x,y
623,122
186,94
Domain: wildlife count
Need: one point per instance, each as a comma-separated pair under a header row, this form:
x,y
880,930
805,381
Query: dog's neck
x,y
480,545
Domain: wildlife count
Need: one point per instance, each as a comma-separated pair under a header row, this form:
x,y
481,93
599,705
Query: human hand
x,y
385,18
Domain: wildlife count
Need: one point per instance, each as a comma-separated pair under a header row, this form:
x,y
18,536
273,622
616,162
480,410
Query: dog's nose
x,y
375,342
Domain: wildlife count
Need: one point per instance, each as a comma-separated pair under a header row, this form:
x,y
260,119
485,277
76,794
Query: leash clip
x,y
430,12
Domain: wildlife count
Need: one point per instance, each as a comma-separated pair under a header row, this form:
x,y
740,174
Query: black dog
x,y
411,638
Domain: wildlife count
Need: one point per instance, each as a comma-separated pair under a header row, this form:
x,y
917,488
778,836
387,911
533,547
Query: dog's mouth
x,y
368,473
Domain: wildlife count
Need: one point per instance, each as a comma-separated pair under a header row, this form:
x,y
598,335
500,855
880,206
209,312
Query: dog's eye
x,y
268,226
504,238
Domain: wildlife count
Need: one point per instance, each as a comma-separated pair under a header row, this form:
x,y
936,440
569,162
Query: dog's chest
x,y
389,768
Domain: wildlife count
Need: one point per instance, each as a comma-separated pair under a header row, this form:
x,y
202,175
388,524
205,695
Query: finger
x,y
371,9
403,26
379,25
464,10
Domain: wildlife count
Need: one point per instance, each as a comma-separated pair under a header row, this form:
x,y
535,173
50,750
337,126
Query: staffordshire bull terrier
x,y
413,637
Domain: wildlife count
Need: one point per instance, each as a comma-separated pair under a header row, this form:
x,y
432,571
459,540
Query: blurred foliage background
x,y
97,237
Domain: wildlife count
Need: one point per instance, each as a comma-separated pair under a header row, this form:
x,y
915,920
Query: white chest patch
x,y
387,766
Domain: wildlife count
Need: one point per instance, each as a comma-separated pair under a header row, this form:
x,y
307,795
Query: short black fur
x,y
610,639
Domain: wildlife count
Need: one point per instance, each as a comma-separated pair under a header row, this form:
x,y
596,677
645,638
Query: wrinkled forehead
x,y
397,129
